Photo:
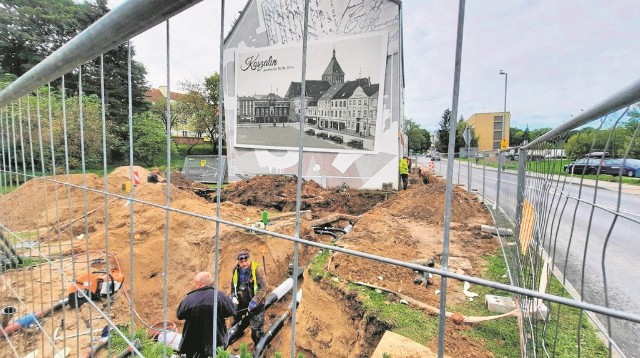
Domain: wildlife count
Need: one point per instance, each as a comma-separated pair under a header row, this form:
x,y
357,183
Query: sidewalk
x,y
613,186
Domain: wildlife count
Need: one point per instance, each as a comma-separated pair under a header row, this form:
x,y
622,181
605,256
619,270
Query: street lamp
x,y
504,117
500,153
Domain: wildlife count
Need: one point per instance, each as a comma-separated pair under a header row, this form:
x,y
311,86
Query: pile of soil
x,y
279,192
405,226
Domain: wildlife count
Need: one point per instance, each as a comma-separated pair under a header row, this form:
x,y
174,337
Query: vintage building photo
x,y
343,94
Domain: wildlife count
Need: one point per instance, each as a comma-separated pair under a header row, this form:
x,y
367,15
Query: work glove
x,y
234,299
252,305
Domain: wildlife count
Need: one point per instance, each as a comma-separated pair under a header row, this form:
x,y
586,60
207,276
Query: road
x,y
573,225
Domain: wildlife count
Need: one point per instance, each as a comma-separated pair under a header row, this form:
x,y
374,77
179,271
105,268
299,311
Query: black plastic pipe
x,y
268,336
322,232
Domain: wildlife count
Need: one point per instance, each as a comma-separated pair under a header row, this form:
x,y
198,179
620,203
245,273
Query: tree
x,y
200,105
149,139
159,110
419,138
443,132
30,30
517,136
591,140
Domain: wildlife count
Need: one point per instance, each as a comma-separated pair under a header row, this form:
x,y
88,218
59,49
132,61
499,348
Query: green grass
x,y
149,348
403,319
501,336
317,266
7,189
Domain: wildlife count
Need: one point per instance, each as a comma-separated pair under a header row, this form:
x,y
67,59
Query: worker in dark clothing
x,y
248,288
197,311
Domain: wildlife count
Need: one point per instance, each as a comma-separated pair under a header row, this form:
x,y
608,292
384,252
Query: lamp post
x,y
500,153
504,116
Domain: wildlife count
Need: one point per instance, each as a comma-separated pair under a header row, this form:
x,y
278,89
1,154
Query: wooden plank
x,y
334,218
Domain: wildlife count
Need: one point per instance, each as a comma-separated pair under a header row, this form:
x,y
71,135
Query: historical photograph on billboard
x,y
343,94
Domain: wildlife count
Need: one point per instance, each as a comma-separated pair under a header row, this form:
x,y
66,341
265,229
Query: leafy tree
x,y
443,132
30,30
460,143
517,136
200,105
538,132
419,138
159,109
149,139
596,140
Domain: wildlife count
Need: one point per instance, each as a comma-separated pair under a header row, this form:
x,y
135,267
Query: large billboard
x,y
353,91
343,101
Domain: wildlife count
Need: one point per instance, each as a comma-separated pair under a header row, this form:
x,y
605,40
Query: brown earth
x,y
405,226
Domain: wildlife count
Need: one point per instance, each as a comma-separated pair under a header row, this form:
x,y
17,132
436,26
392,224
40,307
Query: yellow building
x,y
488,127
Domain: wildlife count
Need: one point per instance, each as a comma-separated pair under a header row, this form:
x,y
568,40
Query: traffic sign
x,y
504,144
467,135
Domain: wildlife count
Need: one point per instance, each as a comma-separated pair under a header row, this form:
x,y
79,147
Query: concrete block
x,y
493,230
500,304
535,309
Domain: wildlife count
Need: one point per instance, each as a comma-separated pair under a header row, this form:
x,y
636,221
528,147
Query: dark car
x,y
583,165
336,138
310,132
631,167
323,135
356,143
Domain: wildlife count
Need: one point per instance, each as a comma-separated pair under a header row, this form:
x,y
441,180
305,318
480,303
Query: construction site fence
x,y
541,203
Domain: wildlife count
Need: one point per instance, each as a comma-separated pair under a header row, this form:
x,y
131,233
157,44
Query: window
x,y
496,145
199,134
497,126
497,135
359,101
497,118
365,112
184,133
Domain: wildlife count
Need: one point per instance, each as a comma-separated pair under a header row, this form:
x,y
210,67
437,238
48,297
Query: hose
x,y
330,228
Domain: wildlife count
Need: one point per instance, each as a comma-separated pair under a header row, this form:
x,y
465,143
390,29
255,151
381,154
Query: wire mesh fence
x,y
108,242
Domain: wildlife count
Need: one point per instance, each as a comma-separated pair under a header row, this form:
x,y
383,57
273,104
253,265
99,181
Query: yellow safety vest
x,y
254,268
404,166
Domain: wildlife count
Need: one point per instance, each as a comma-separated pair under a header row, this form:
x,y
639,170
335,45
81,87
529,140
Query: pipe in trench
x,y
330,228
235,332
30,319
322,232
274,329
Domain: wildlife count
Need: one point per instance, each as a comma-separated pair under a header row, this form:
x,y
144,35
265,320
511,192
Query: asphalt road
x,y
576,227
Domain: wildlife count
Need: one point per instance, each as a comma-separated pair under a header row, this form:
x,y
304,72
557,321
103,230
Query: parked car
x,y
598,155
613,167
336,138
435,156
310,132
586,166
355,143
323,135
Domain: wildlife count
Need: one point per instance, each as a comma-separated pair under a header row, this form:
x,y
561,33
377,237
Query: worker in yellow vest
x,y
404,172
248,288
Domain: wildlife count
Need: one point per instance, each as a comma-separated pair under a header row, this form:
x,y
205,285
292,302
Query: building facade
x,y
490,129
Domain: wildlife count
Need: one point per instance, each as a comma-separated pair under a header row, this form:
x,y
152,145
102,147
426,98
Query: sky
x,y
561,56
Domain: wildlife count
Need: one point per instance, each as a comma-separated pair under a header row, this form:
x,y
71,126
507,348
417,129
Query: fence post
x,y
468,169
484,168
522,166
459,165
497,203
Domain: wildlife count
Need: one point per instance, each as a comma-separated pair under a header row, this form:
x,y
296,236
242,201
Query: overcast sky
x,y
561,56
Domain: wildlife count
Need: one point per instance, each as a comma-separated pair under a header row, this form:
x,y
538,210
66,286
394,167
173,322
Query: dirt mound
x,y
407,226
279,192
125,172
181,181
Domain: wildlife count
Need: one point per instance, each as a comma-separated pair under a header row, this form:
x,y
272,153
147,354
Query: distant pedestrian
x,y
404,172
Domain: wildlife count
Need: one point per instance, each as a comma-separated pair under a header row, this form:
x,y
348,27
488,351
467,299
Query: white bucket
x,y
172,339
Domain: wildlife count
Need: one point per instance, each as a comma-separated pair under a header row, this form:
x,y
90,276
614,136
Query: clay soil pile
x,y
405,226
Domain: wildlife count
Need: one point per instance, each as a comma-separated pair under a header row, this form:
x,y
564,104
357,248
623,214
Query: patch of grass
x,y
501,336
404,320
31,261
317,266
150,348
7,189
567,328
